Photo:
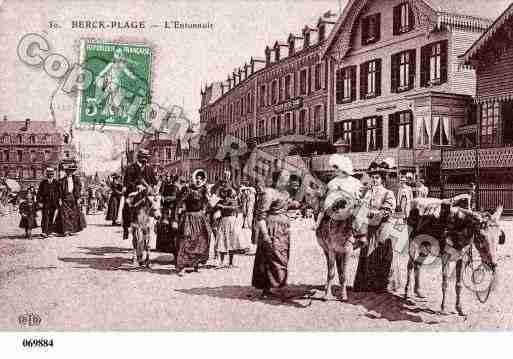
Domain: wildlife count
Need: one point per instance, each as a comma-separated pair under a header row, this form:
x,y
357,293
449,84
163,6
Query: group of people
x,y
377,269
194,214
59,202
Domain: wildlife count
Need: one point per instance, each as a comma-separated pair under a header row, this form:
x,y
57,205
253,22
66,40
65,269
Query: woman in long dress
x,y
228,231
194,228
273,235
375,270
116,188
70,218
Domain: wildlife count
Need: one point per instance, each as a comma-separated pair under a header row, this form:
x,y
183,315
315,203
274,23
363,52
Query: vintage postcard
x,y
327,165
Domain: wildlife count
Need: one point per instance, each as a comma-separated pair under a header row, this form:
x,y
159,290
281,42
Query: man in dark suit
x,y
48,196
137,174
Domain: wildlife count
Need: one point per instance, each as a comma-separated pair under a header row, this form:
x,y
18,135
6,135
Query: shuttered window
x,y
302,82
371,29
262,96
302,120
434,59
403,71
370,79
373,133
404,19
400,134
346,84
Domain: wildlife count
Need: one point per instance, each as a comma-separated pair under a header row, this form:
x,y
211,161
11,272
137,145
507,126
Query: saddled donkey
x,y
144,207
443,230
342,224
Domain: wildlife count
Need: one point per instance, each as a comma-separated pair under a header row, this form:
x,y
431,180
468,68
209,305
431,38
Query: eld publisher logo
x,y
29,320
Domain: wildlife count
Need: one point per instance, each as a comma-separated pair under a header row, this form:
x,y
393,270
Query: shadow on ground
x,y
295,295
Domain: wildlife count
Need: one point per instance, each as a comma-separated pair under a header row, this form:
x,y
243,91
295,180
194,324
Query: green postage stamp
x,y
120,90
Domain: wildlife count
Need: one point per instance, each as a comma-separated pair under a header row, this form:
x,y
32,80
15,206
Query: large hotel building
x,y
383,79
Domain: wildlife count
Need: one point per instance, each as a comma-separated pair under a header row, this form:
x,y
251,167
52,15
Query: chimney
x,y
229,83
27,122
276,52
267,56
246,71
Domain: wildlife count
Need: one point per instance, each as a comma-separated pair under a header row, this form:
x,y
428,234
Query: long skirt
x,y
377,266
270,269
113,208
248,213
70,218
228,235
166,238
28,222
194,240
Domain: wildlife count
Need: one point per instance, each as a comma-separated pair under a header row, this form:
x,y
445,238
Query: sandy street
x,y
88,282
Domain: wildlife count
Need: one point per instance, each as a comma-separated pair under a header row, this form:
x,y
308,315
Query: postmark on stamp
x,y
120,93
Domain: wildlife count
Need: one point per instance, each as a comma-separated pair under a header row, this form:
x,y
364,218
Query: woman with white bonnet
x,y
344,181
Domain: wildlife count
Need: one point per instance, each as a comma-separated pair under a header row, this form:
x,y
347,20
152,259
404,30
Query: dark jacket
x,y
49,193
135,175
77,187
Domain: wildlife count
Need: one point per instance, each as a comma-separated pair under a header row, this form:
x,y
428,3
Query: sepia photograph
x,y
255,166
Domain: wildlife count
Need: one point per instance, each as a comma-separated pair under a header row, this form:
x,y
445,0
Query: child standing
x,y
228,231
28,211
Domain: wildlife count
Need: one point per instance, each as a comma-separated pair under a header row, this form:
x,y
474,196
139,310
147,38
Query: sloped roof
x,y
35,127
489,9
469,13
488,35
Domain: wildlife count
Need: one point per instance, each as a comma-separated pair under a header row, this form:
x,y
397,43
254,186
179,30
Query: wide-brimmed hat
x,y
341,163
386,166
50,170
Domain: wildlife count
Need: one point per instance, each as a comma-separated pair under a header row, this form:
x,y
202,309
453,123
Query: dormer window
x,y
404,19
371,29
322,32
291,45
277,53
306,39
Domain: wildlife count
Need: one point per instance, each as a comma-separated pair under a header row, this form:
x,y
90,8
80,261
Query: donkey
x,y
144,207
336,235
448,232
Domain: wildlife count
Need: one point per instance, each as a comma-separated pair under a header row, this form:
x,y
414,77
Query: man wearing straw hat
x,y
48,197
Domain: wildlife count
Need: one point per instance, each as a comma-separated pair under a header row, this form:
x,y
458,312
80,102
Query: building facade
x,y
400,89
187,157
492,57
283,94
163,153
28,147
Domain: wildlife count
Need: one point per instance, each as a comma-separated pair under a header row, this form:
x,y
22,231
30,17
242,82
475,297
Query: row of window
x,y
230,112
20,156
403,22
289,124
287,87
31,139
20,172
366,134
433,71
